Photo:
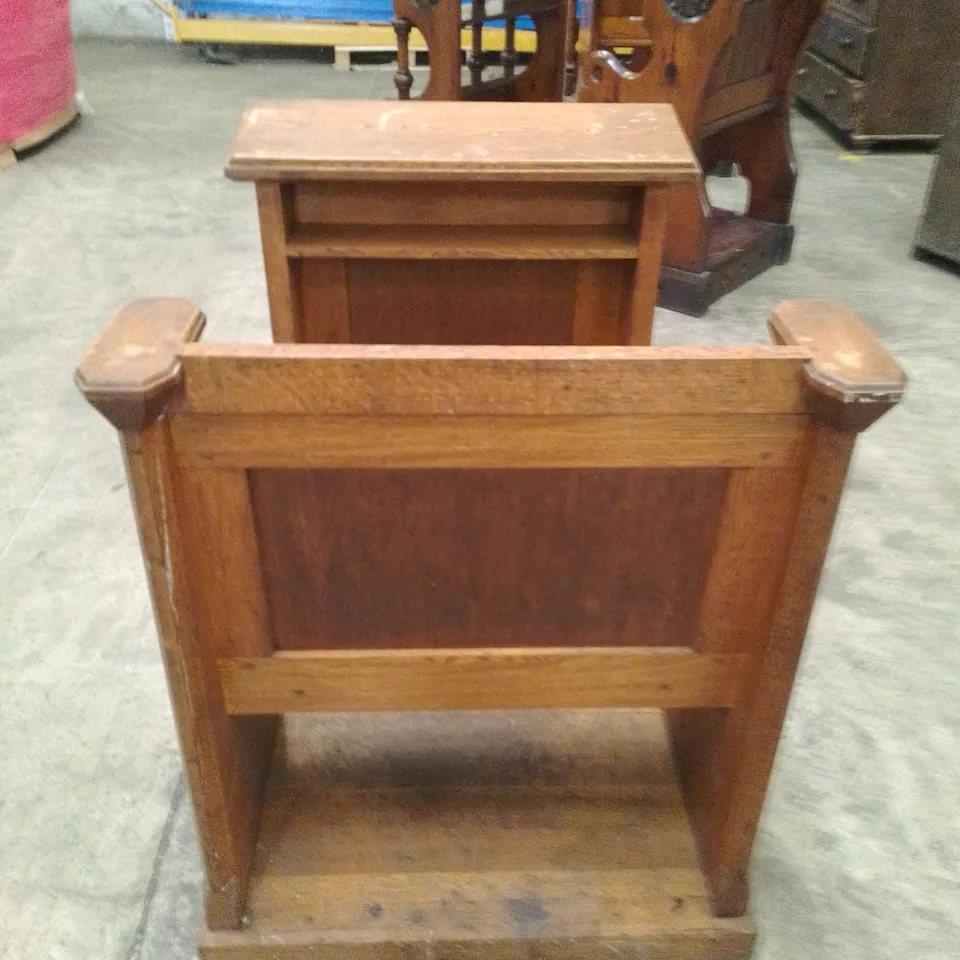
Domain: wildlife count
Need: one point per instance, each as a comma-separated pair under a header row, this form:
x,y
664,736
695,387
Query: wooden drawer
x,y
864,9
832,93
844,41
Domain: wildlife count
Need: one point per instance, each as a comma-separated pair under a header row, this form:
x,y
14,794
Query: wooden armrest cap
x,y
848,366
131,370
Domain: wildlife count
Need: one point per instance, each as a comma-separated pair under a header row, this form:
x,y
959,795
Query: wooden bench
x,y
727,67
354,529
433,222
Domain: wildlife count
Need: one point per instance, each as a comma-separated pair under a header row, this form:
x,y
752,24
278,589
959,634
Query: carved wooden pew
x,y
357,528
727,67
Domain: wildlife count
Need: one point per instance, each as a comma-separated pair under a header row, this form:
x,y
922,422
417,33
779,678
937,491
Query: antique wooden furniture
x,y
363,528
461,223
880,70
727,67
939,229
440,23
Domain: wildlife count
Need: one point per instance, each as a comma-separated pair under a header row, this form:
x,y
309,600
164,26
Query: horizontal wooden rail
x,y
361,379
507,679
489,442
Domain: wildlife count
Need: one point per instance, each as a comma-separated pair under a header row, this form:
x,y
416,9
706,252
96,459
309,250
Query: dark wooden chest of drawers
x,y
881,69
939,230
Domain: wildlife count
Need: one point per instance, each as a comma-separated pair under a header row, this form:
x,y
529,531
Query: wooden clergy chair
x,y
359,528
727,67
441,21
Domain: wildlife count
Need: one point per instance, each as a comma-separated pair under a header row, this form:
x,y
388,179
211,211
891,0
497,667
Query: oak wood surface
x,y
536,833
290,140
504,679
419,559
447,531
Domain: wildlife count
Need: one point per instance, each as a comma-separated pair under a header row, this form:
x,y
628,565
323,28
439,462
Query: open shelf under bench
x,y
548,834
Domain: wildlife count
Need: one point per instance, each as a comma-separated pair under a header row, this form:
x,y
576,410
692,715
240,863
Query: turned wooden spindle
x,y
475,61
403,78
508,56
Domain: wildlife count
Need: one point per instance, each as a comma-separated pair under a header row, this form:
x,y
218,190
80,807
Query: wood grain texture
x,y
511,442
724,793
546,142
488,381
504,679
132,371
729,75
495,204
427,242
377,824
360,559
650,236
226,758
852,377
461,302
274,206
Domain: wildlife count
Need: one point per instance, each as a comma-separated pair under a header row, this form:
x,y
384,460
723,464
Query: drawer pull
x,y
831,92
845,43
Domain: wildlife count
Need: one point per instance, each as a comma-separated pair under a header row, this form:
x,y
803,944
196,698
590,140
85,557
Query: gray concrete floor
x,y
858,850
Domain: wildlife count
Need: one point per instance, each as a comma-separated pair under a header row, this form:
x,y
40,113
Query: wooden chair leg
x,y
685,245
508,57
475,62
403,78
571,29
440,28
543,78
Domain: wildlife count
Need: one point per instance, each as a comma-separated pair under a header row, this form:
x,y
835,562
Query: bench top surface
x,y
429,140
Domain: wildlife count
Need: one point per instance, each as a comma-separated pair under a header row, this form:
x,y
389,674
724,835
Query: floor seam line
x,y
166,835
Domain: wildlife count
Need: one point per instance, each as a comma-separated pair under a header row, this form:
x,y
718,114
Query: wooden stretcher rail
x,y
488,679
489,442
351,379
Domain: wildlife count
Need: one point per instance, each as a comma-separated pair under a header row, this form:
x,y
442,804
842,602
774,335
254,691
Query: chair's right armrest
x,y
132,370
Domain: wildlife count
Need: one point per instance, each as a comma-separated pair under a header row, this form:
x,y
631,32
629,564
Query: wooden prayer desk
x,y
460,223
482,544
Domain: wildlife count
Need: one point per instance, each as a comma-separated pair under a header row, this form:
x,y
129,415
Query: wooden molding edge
x,y
131,371
853,379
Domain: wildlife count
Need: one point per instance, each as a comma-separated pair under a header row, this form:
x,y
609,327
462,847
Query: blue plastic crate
x,y
368,11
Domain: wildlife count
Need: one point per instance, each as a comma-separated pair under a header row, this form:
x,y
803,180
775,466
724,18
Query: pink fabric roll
x,y
38,73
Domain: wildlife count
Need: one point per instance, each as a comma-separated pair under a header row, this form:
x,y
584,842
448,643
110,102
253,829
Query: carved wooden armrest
x,y
131,371
853,380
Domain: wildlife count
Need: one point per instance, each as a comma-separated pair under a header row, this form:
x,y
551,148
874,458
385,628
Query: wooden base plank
x,y
740,249
547,834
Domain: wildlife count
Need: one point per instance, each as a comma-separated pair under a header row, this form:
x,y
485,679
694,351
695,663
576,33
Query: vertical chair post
x,y
403,78
132,375
724,757
508,56
475,63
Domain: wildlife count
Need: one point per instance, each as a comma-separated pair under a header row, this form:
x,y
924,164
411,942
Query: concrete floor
x,y
858,850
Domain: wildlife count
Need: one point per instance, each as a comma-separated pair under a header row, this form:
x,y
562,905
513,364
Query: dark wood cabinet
x,y
939,230
881,70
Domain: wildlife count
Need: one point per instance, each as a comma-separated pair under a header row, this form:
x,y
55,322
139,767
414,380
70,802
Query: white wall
x,y
116,18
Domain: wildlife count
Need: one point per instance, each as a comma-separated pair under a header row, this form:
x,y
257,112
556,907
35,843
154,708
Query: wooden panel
x,y
601,302
426,242
468,204
477,835
489,380
750,49
224,559
510,442
450,302
479,680
608,142
475,558
324,306
738,102
226,758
